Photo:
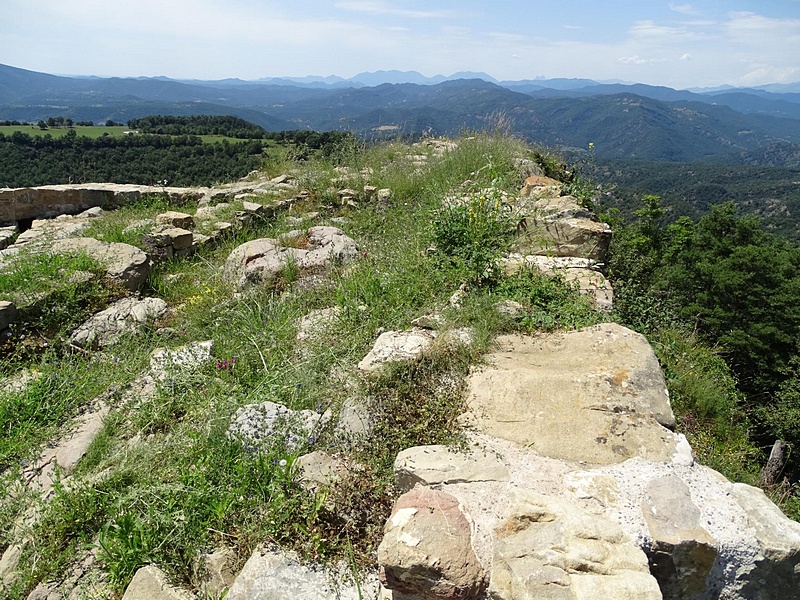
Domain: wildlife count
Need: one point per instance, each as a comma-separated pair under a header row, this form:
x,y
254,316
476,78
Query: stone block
x,y
176,219
179,238
427,548
605,381
682,553
150,583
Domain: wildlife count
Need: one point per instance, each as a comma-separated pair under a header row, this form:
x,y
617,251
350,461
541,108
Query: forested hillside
x,y
771,193
198,125
725,280
27,160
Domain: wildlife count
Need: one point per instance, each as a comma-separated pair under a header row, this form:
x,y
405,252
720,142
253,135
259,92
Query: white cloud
x,y
384,9
637,60
257,38
748,26
631,60
770,74
512,38
684,9
650,30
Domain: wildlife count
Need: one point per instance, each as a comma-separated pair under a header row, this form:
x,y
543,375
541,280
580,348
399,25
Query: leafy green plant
x,y
474,232
549,302
124,546
708,404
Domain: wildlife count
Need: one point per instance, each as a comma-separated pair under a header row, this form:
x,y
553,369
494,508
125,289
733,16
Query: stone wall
x,y
17,204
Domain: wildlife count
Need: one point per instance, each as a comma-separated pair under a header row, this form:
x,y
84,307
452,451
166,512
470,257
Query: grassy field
x,y
163,482
94,132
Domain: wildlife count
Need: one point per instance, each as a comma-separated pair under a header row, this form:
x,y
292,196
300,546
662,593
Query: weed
x,y
124,546
474,231
549,302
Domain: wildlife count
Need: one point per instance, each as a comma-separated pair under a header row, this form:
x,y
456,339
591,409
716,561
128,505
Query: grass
x,y
28,275
95,132
164,482
708,405
53,292
56,132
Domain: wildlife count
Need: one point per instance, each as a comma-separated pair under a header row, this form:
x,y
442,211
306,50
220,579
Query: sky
x,y
678,44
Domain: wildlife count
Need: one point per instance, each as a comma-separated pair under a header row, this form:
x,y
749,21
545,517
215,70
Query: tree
x,y
42,125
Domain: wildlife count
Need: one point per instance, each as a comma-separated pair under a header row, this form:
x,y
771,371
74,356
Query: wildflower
x,y
282,462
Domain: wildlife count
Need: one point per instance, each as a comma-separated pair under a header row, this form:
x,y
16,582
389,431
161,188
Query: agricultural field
x,y
94,132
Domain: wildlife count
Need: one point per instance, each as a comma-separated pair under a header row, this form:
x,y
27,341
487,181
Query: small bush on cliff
x,y
549,302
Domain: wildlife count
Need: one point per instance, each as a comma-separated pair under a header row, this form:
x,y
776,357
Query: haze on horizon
x,y
676,44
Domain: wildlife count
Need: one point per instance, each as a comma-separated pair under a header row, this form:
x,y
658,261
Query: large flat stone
x,y
263,259
596,395
434,465
550,548
123,263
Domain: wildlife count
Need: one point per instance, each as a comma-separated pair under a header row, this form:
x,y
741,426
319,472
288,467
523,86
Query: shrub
x,y
474,231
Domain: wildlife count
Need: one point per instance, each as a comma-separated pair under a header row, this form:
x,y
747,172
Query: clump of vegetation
x,y
474,231
54,292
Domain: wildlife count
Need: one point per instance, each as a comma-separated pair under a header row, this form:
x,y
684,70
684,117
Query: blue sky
x,y
678,44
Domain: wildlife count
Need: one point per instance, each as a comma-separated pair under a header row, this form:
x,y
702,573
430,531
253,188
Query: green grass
x,y
707,404
54,292
95,132
65,383
163,482
56,132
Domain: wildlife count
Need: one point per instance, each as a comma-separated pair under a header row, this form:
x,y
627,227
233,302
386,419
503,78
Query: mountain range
x,y
620,120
